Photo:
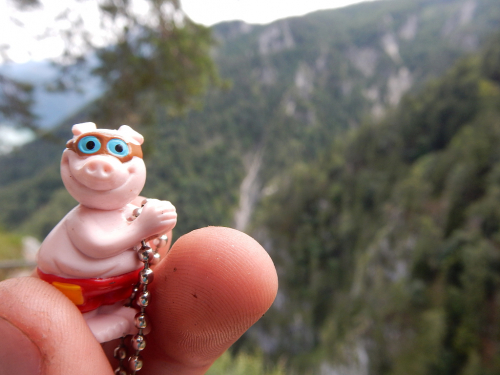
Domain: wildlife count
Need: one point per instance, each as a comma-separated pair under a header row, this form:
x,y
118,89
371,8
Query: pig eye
x,y
118,147
89,144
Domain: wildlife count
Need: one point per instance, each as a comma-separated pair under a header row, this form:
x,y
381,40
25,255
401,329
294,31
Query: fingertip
x,y
232,261
215,283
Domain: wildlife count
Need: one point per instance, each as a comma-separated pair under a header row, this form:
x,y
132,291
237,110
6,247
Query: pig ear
x,y
131,133
85,127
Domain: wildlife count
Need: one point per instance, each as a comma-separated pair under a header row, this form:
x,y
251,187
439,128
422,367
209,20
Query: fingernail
x,y
18,354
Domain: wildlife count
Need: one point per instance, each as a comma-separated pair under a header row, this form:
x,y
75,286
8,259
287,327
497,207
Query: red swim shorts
x,y
89,294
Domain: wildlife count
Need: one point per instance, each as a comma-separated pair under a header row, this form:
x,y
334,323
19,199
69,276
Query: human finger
x,y
44,333
213,285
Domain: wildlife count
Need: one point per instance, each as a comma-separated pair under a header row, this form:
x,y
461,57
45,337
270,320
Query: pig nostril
x,y
102,169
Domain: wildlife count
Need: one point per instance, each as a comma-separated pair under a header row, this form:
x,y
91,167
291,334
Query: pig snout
x,y
99,168
101,173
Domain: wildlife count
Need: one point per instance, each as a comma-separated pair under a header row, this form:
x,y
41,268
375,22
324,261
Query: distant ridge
x,y
295,85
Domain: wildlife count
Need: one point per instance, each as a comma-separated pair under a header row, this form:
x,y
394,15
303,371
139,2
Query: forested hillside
x,y
360,146
389,247
293,86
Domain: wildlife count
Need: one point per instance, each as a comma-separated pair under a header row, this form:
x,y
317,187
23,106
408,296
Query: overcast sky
x,y
18,30
209,12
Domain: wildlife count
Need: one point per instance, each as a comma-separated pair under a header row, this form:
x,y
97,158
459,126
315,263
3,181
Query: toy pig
x,y
89,256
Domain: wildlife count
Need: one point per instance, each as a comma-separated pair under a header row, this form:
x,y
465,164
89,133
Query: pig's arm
x,y
98,241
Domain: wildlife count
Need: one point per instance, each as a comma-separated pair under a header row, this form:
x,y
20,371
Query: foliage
x,y
243,364
199,159
10,249
392,238
159,58
10,246
16,101
163,63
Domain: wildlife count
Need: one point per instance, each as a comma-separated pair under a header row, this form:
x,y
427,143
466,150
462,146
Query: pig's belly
x,y
61,258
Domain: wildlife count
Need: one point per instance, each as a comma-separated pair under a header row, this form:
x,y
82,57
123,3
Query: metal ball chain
x,y
140,297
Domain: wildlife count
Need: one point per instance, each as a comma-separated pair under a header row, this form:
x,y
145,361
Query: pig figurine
x,y
89,256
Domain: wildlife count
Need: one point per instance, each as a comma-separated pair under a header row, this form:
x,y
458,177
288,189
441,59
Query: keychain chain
x,y
140,297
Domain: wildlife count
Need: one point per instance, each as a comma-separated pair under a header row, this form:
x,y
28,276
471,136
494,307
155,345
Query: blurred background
x,y
358,143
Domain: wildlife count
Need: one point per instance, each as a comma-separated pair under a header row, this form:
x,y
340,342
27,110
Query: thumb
x,y
213,285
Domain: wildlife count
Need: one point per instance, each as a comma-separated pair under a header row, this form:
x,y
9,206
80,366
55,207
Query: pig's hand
x,y
157,217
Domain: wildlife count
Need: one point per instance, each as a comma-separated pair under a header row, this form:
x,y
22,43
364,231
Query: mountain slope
x,y
388,248
295,85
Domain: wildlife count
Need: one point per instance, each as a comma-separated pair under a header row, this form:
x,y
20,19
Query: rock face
x,y
398,84
365,59
250,191
409,29
275,38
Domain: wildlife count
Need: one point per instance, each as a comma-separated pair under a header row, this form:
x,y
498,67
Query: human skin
x,y
211,287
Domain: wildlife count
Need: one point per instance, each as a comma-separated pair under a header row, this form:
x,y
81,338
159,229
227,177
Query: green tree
x,y
158,56
389,244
